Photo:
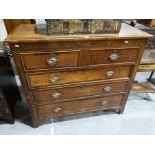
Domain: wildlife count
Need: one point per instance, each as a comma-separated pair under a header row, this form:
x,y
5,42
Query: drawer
x,y
48,60
61,44
128,42
59,109
66,77
113,56
63,93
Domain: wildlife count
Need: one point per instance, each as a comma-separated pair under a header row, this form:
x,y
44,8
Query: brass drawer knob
x,y
109,74
55,79
107,89
52,60
104,103
57,110
56,95
113,56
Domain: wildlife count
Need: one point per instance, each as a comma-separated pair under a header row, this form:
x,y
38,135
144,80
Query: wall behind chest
x,y
3,32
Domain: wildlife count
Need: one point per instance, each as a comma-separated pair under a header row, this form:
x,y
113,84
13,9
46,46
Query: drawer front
x,y
48,60
113,56
65,108
62,44
60,94
66,77
127,42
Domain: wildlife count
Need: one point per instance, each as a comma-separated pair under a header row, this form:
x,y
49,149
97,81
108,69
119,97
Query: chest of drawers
x,y
69,74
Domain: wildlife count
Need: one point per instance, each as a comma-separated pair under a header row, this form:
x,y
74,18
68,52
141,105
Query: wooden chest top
x,y
27,33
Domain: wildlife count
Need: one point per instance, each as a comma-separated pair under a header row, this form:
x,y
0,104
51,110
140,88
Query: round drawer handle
x,y
56,95
107,89
104,103
55,79
57,110
109,74
113,56
52,60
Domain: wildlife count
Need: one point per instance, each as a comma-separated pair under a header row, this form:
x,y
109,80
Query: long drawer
x,y
66,77
70,44
59,109
64,93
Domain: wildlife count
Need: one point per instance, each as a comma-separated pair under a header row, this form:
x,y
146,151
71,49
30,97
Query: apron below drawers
x,y
45,79
66,108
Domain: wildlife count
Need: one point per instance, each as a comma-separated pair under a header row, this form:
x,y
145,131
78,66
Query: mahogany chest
x,y
70,74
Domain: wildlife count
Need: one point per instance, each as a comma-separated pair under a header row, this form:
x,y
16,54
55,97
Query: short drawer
x,y
59,109
113,56
75,76
48,60
85,90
